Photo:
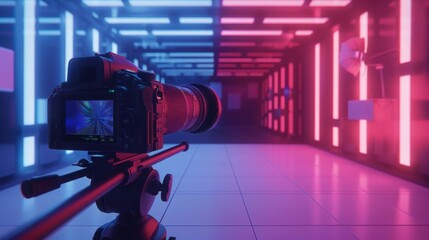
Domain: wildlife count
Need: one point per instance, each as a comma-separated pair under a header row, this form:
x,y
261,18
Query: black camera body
x,y
107,105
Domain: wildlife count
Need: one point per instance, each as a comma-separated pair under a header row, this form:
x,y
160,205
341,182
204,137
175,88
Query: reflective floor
x,y
257,191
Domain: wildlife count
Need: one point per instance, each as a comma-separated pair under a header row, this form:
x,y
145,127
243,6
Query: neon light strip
x,y
130,20
114,47
282,77
187,44
317,92
29,61
332,3
49,20
363,85
282,124
191,54
7,21
95,40
68,152
315,20
335,73
182,32
291,108
276,82
251,32
404,120
303,32
182,60
68,18
229,54
196,20
6,3
49,32
405,31
42,111
170,3
335,137
226,20
133,32
104,3
29,156
259,3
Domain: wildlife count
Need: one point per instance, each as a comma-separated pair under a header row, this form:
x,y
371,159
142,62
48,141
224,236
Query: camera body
x,y
107,105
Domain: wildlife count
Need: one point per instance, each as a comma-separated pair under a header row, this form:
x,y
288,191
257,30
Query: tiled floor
x,y
258,191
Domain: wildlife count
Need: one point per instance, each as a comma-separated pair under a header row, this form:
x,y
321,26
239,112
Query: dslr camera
x,y
107,104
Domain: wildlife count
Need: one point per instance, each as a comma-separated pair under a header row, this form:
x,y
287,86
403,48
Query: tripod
x,y
122,183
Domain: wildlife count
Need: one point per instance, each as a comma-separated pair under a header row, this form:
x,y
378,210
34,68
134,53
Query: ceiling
x,y
209,39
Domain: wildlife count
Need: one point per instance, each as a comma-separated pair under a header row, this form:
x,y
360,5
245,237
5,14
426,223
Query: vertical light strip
x,y
114,47
405,84
95,40
29,61
28,151
69,31
291,108
404,119
335,86
363,85
405,31
317,92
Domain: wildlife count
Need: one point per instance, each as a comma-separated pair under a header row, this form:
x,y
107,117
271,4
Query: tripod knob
x,y
166,187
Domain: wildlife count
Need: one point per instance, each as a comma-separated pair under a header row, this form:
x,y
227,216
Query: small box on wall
x,y
378,109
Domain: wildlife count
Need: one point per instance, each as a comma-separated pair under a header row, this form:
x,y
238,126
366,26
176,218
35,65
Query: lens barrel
x,y
193,108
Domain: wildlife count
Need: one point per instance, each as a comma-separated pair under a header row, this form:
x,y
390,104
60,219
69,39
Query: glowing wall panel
x,y
7,70
29,61
317,92
363,85
335,85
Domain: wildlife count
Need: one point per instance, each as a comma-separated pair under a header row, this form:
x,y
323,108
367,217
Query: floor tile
x,y
390,232
266,184
303,232
211,232
208,184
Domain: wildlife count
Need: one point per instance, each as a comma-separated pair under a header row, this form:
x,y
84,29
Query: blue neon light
x,y
130,20
42,111
114,47
205,65
182,32
95,40
103,3
29,61
69,30
49,20
187,44
7,20
133,32
49,32
191,54
196,20
29,156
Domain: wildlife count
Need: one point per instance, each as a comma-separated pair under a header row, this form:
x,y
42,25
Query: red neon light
x,y
363,85
290,76
228,60
315,20
276,82
266,65
276,102
329,3
237,44
270,82
247,65
291,113
303,32
249,60
268,60
405,31
291,108
264,54
226,65
282,77
226,20
282,124
404,120
251,32
259,3
317,92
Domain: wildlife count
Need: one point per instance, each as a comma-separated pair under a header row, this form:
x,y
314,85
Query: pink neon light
x,y
363,85
256,74
276,125
276,82
329,3
249,60
276,102
317,92
226,20
226,65
336,75
237,44
315,20
266,65
259,3
251,32
264,54
335,137
270,82
247,65
229,60
268,60
282,124
291,108
404,120
282,77
303,32
405,31
270,120
282,102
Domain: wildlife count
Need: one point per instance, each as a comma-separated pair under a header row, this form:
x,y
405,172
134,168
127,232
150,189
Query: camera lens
x,y
192,108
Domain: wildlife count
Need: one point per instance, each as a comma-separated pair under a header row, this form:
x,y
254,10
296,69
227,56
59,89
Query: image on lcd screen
x,y
92,118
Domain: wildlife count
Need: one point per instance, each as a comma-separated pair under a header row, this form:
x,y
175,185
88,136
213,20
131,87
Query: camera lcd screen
x,y
89,118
